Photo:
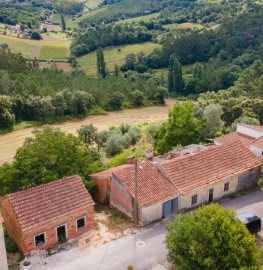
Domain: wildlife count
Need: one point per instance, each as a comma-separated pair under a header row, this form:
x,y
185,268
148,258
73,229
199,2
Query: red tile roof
x,y
258,143
108,173
234,137
194,171
1,219
39,205
256,127
153,187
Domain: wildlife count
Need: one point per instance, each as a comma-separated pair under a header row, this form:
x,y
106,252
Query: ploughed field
x,y
10,142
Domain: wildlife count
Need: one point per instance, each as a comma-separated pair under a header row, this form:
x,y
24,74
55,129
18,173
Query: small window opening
x,y
81,223
226,187
194,199
40,239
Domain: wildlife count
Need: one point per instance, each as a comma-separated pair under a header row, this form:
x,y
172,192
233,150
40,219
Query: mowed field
x,y
53,46
10,142
54,49
27,47
112,56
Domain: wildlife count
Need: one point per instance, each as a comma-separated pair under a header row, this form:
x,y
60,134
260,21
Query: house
x,y
3,258
250,135
42,216
154,191
170,185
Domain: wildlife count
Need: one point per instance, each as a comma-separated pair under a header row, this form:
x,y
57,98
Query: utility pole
x,y
135,194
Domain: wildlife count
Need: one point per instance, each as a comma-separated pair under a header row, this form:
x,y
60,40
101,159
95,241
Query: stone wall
x,y
151,214
248,179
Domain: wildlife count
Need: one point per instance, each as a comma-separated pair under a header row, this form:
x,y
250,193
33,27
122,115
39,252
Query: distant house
x,y
41,217
250,135
3,258
183,180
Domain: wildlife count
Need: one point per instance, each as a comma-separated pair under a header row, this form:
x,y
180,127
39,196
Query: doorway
x,y
61,234
211,195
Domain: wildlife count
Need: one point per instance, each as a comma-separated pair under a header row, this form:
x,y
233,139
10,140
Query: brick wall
x,y
120,198
25,240
103,184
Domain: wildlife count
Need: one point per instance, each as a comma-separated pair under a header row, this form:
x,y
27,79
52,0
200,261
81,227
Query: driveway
x,y
143,250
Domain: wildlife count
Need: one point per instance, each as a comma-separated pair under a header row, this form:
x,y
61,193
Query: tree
x,y
212,115
182,128
116,70
211,237
116,101
35,35
88,134
50,155
63,22
7,119
101,65
175,77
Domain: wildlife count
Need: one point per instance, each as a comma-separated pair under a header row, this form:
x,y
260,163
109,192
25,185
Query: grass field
x,y
10,142
27,47
54,50
92,4
112,56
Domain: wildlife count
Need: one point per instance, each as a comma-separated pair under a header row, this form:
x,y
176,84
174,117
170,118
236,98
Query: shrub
x,y
35,35
114,145
134,134
11,246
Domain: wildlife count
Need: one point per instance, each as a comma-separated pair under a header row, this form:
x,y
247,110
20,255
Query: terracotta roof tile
x,y
234,137
210,166
39,205
153,187
108,173
258,143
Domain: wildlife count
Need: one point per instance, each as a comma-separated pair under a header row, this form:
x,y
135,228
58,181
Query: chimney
x,y
131,160
149,155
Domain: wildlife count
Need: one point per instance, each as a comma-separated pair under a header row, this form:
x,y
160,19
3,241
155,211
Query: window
x,y
80,223
194,199
40,239
226,187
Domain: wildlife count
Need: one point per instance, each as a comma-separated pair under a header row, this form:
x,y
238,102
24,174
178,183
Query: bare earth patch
x,y
10,142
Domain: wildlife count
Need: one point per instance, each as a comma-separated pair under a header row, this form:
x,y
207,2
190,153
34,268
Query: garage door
x,y
170,207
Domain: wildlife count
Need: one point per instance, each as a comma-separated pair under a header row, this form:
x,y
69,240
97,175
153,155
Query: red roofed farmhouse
x,y
40,217
177,184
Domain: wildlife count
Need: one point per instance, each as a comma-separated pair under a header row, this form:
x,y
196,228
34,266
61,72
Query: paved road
x,y
119,254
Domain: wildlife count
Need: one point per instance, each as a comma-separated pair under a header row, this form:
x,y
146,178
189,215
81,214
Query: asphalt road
x,y
143,250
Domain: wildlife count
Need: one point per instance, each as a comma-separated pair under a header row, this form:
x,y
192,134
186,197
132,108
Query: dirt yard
x,y
10,142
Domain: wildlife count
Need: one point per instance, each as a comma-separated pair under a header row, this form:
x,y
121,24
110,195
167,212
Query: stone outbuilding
x,y
154,192
42,216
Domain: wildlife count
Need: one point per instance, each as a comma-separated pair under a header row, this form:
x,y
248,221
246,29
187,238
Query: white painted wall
x,y
151,214
256,151
3,258
249,131
185,201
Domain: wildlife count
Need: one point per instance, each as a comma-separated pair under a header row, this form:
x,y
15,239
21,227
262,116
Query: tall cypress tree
x,y
175,77
101,65
63,22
